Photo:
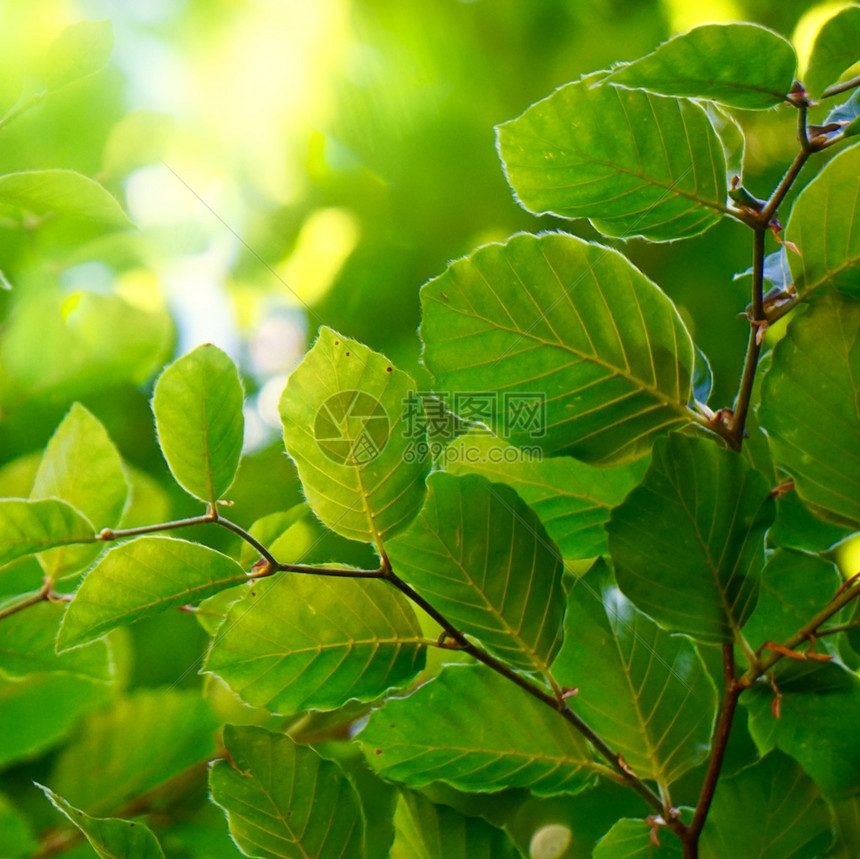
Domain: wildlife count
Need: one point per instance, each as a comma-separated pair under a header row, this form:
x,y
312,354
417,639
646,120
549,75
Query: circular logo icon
x,y
351,428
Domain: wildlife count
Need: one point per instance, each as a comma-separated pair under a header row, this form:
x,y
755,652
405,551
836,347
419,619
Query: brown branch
x,y
835,89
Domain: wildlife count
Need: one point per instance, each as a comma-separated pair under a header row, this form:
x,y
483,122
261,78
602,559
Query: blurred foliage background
x,y
288,164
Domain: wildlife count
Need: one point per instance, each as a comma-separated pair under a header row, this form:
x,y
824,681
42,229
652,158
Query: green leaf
x,y
16,836
40,710
475,730
27,646
62,192
198,414
794,587
846,816
27,527
632,839
646,692
81,465
296,642
688,542
481,557
424,830
834,50
80,50
574,325
572,499
141,578
276,532
810,408
739,65
821,225
111,838
771,810
818,702
139,138
633,163
141,741
313,812
341,411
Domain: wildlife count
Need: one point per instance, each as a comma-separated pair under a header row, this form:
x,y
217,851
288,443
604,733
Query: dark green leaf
x,y
111,838
794,587
821,225
846,816
480,555
296,643
27,646
427,831
475,730
740,65
647,693
313,812
810,408
198,415
141,578
834,50
572,499
341,413
558,320
81,49
633,163
688,542
143,739
771,810
16,836
632,839
819,702
797,528
27,527
81,465
62,192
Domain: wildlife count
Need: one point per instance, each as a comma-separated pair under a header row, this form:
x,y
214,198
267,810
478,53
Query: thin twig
x,y
34,599
835,89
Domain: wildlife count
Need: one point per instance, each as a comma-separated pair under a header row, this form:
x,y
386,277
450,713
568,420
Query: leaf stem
x,y
731,692
835,89
108,534
624,774
742,402
33,599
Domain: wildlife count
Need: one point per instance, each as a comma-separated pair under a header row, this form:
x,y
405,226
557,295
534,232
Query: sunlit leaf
x,y
632,839
313,812
140,578
27,527
341,414
647,693
547,319
810,409
818,702
739,65
139,138
424,830
822,226
482,558
572,499
794,587
834,50
27,646
198,415
63,193
81,465
771,810
484,734
111,838
11,83
296,643
81,49
143,739
688,542
276,532
633,163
